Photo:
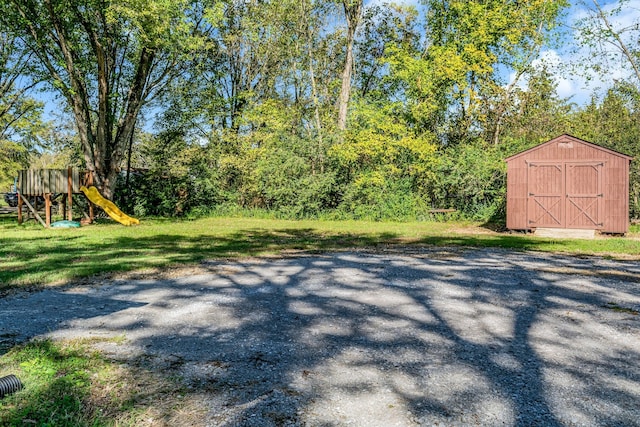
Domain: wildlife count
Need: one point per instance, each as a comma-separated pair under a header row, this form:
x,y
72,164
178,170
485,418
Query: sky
x,y
578,87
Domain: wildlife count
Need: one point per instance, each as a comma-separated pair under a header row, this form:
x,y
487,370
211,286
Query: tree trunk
x,y
353,13
113,139
88,60
314,90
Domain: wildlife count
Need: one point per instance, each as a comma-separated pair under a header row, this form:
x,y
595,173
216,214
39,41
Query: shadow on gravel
x,y
27,315
442,336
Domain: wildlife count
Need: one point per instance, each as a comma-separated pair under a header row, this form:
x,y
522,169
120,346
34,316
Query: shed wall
x,y
613,185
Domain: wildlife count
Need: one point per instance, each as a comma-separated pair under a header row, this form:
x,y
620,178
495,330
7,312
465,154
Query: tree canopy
x,y
21,125
106,59
312,107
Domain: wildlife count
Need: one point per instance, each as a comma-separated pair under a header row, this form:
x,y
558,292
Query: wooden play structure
x,y
49,184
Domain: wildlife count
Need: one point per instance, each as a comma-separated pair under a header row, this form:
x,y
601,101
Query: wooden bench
x,y
437,211
439,214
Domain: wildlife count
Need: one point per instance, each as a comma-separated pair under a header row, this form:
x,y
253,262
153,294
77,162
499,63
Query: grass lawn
x,y
69,383
33,256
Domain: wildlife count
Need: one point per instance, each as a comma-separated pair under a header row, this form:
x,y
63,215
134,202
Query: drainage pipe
x,y
9,384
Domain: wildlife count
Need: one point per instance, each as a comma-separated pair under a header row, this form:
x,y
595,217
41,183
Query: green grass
x,y
615,307
32,256
58,381
69,384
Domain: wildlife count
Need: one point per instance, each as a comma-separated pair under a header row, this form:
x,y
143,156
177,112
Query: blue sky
x,y
581,85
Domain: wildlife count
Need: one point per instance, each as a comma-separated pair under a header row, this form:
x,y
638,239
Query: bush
x,y
472,179
180,177
374,197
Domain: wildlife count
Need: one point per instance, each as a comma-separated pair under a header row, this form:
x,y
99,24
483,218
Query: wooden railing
x,y
38,182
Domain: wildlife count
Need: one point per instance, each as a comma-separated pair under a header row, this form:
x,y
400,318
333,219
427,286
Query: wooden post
x,y
69,194
90,182
47,209
35,212
19,208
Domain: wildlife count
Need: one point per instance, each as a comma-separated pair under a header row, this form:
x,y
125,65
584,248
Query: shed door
x,y
584,195
565,195
545,207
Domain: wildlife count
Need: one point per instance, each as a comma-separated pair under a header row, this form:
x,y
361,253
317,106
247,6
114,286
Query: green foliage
x,y
384,29
287,184
383,167
468,43
472,179
611,34
13,157
372,197
615,123
275,167
251,89
178,177
21,124
537,114
106,60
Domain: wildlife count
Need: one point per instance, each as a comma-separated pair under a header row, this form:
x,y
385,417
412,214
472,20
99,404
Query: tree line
x,y
305,108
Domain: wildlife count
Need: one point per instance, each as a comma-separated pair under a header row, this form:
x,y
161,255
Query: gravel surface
x,y
392,338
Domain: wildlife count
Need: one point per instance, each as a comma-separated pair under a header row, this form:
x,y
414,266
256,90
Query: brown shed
x,y
568,183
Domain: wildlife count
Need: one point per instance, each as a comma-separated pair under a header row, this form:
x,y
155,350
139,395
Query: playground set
x,y
49,184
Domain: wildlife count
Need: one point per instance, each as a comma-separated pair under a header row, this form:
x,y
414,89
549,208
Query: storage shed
x,y
568,183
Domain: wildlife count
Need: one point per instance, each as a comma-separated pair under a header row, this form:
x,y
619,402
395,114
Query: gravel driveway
x,y
392,338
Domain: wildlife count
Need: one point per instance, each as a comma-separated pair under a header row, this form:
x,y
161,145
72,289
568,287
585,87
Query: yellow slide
x,y
112,210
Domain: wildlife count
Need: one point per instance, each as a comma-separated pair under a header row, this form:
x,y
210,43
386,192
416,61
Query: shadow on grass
x,y
41,365
38,260
46,259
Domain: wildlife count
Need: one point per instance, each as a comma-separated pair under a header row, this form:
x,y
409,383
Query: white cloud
x,y
567,88
567,85
624,18
629,13
572,65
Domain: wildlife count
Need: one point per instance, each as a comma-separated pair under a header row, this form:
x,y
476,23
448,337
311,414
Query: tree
x,y
266,57
107,59
614,122
468,45
613,42
609,39
353,15
21,123
384,28
537,114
